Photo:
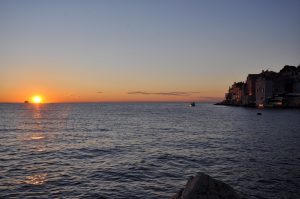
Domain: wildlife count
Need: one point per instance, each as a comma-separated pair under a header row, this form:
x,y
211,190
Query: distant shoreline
x,y
138,102
255,107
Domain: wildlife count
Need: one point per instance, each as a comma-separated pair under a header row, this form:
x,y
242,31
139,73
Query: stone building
x,y
251,89
264,91
235,93
267,89
265,86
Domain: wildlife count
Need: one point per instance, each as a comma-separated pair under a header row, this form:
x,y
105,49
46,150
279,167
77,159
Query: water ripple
x,y
145,150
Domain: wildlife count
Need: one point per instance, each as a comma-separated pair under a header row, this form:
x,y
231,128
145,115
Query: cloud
x,y
99,92
177,93
138,93
173,93
210,98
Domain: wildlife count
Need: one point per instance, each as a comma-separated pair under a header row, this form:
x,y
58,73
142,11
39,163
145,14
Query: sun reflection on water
x,y
40,148
37,179
37,137
33,137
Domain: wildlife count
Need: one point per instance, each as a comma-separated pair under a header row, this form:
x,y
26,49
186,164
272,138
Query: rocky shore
x,y
202,186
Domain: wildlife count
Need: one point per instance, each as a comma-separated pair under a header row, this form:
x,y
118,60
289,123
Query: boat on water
x,y
192,104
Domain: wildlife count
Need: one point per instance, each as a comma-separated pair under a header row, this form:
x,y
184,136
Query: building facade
x,y
267,89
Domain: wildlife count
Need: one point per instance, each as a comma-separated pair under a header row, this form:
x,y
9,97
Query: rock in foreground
x,y
202,186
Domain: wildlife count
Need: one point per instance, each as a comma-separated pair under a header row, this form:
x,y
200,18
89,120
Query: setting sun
x,y
37,99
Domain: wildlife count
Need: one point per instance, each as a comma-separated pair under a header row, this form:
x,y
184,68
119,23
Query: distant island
x,y
267,89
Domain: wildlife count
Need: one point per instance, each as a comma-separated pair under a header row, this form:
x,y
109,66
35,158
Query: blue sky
x,y
83,47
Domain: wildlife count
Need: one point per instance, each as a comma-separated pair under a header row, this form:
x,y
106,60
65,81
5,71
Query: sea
x,y
146,150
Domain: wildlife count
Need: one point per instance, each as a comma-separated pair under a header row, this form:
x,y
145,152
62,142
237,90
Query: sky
x,y
141,50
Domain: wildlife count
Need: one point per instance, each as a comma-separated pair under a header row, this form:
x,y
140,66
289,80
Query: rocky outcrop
x,y
202,186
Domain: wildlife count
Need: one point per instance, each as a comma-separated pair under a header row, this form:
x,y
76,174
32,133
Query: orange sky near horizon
x,y
52,96
56,82
140,51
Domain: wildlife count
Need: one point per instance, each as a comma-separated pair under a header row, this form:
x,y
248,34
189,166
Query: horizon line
x,y
99,102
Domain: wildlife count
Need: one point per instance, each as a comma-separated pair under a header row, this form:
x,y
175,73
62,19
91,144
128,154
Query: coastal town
x,y
267,89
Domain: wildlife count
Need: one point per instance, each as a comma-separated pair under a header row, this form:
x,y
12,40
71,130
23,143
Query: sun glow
x,y
37,99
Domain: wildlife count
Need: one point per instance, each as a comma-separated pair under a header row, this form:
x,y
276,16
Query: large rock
x,y
202,186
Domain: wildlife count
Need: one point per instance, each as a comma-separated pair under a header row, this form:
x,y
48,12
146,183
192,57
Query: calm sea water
x,y
145,150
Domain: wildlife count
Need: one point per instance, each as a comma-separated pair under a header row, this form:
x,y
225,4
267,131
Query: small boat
x,y
26,102
192,104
